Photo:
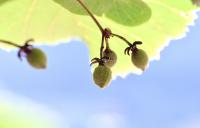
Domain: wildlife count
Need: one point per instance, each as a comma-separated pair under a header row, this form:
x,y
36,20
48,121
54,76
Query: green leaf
x,y
3,1
116,10
50,21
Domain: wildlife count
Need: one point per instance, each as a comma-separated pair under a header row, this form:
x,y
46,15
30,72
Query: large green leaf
x,y
117,10
51,21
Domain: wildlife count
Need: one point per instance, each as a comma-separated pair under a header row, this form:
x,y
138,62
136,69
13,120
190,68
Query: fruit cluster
x,y
102,74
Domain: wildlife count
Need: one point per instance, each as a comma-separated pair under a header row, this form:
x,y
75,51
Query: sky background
x,y
165,96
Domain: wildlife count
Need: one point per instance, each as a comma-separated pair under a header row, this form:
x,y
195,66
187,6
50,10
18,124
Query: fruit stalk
x,y
10,43
92,16
122,38
102,46
107,43
103,31
97,23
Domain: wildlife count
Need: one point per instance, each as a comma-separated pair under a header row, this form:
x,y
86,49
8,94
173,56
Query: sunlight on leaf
x,y
50,22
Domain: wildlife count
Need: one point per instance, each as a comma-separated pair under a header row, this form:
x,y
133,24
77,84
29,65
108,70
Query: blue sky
x,y
165,96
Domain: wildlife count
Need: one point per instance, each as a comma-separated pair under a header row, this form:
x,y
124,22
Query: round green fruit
x,y
139,59
112,57
102,76
37,58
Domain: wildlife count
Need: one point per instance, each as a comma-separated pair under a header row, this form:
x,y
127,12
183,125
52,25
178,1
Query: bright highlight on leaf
x,y
153,22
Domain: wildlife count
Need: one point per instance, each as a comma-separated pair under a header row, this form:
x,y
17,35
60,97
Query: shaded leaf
x,y
129,12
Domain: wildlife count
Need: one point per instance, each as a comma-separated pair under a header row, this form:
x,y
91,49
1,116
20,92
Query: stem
x,y
122,38
10,43
107,44
91,15
102,46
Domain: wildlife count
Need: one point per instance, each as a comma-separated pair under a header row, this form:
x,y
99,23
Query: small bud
x,y
102,76
111,56
37,58
139,58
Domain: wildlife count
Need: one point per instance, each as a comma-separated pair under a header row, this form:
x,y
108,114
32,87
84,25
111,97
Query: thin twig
x,y
10,43
91,15
122,38
102,46
107,43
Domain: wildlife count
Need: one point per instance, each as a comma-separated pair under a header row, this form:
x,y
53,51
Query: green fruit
x,y
37,58
139,59
112,57
102,76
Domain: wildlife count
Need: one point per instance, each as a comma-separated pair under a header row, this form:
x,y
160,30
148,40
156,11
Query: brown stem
x,y
10,43
107,43
122,38
105,32
102,46
91,15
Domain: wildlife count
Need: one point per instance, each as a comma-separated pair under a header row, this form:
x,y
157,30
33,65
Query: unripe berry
x,y
37,58
102,76
139,58
111,56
